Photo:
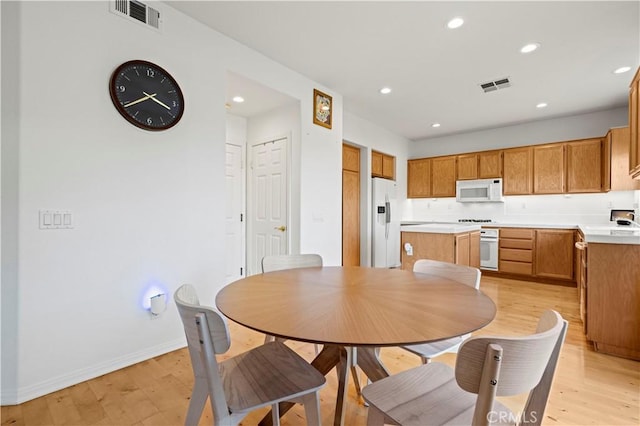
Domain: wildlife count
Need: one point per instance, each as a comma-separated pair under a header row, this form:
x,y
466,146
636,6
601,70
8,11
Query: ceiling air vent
x,y
137,12
492,86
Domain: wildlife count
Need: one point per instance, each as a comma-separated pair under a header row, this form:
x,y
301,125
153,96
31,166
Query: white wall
x,y
146,205
581,126
369,136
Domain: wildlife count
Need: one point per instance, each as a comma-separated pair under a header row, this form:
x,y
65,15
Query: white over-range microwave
x,y
479,191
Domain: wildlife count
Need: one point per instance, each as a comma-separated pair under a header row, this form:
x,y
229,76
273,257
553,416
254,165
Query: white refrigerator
x,y
385,235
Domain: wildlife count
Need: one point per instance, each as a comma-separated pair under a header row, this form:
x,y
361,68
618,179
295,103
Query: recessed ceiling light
x,y
238,99
622,70
385,90
541,105
434,125
530,47
455,23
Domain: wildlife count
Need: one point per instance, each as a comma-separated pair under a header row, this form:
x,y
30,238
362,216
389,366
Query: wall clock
x,y
146,95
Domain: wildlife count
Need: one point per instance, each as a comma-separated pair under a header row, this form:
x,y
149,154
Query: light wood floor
x,y
589,388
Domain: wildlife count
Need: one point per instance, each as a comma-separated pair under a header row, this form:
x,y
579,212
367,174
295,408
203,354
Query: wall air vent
x,y
137,11
491,86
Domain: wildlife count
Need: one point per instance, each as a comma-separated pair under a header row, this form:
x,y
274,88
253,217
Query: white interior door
x,y
234,216
268,207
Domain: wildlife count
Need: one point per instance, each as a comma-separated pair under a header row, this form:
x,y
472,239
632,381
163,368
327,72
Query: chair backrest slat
x,y
290,261
460,273
524,358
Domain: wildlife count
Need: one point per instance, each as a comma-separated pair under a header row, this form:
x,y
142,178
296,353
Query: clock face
x,y
146,95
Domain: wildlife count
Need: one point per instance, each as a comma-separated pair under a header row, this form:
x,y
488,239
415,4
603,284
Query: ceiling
x,y
355,48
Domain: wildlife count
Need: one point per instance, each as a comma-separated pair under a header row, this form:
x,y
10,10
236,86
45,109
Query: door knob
x,y
280,228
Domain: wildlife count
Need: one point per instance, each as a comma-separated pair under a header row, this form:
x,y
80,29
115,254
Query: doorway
x,y
234,214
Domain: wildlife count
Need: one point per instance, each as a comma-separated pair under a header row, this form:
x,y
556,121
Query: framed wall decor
x,y
322,109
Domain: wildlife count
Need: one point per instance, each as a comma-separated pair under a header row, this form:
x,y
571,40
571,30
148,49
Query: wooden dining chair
x,y
486,367
460,273
266,375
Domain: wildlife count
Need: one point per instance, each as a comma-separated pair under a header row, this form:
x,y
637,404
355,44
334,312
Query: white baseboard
x,y
26,393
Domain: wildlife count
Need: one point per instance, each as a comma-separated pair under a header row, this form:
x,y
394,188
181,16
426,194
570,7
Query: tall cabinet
x,y
634,122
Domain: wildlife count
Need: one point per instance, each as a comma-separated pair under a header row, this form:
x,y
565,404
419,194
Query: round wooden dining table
x,y
354,307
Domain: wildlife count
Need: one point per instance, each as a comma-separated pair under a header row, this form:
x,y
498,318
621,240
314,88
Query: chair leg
x,y
311,402
375,417
199,396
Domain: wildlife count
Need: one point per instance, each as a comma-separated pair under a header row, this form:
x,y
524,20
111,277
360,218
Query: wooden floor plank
x,y
589,388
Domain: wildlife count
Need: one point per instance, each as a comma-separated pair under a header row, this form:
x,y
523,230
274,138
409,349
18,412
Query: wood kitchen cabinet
x,y
613,298
383,165
479,165
489,164
419,178
517,171
515,255
585,165
616,161
443,176
634,123
350,205
548,169
554,250
467,167
546,254
581,277
461,248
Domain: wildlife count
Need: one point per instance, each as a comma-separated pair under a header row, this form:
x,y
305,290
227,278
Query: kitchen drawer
x,y
516,244
516,255
521,268
518,233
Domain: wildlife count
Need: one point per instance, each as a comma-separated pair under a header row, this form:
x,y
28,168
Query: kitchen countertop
x,y
611,234
593,233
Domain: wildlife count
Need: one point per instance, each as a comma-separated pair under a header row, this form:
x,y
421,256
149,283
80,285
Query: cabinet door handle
x,y
581,245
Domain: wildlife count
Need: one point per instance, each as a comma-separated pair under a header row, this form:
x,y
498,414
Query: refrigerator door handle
x,y
387,208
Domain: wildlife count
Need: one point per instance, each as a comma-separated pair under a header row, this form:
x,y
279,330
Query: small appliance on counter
x,y
623,217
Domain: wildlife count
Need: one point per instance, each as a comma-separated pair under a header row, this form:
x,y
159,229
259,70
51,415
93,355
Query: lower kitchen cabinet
x,y
546,254
516,251
612,315
462,248
554,253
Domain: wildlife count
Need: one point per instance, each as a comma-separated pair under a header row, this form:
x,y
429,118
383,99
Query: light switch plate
x,y
55,219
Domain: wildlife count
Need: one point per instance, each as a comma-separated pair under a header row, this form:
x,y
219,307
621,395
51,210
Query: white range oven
x,y
489,249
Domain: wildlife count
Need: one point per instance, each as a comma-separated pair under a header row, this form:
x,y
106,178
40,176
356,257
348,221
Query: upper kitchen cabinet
x,y
517,171
383,165
585,166
616,161
443,176
548,169
634,122
490,164
480,165
419,178
467,166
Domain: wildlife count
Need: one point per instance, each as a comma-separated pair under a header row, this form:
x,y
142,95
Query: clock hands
x,y
152,97
144,98
137,101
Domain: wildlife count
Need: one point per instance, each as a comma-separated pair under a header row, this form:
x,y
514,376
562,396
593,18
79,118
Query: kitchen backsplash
x,y
570,209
